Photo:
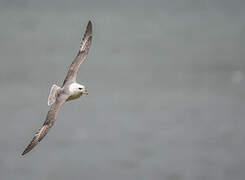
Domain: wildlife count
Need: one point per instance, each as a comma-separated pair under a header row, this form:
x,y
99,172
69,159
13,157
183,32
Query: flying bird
x,y
70,90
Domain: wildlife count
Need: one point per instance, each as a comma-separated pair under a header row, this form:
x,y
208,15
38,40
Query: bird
x,y
70,90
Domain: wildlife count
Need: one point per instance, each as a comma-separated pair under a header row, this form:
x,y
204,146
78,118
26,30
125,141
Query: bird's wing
x,y
50,118
81,56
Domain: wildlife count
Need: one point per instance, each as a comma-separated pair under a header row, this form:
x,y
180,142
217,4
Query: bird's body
x,y
70,90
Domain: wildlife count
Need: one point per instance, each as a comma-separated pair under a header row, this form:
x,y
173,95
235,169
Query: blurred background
x,y
166,82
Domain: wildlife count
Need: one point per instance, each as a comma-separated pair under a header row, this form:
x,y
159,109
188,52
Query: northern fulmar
x,y
70,90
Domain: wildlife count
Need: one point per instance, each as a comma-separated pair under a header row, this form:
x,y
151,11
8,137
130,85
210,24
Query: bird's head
x,y
78,89
81,89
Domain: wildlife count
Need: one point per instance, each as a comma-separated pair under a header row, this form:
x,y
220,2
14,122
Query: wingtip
x,y
27,149
89,26
87,37
24,152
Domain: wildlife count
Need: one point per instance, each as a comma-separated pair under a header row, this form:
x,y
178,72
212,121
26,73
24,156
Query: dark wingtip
x,y
23,153
32,144
89,26
26,151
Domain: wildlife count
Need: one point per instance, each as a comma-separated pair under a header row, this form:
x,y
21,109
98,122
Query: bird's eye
x,y
80,88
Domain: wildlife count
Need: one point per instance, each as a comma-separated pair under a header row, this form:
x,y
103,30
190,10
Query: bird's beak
x,y
85,92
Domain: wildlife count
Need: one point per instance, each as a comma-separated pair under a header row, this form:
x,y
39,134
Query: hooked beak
x,y
85,92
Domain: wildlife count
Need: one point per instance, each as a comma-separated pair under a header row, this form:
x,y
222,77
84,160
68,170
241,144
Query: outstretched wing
x,y
82,54
51,117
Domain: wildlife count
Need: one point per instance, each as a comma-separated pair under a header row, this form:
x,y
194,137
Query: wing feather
x,y
50,118
81,56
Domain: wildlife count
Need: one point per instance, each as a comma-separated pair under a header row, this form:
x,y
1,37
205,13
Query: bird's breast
x,y
74,96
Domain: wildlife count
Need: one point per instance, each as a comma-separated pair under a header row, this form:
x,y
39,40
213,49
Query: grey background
x,y
166,82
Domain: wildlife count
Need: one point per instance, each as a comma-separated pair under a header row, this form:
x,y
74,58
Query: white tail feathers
x,y
52,94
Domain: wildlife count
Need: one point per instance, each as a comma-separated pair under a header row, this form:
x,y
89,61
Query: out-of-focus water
x,y
166,82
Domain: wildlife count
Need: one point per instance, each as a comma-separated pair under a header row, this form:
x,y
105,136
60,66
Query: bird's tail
x,y
52,94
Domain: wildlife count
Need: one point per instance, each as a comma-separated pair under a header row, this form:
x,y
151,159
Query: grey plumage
x,y
50,118
70,89
82,54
